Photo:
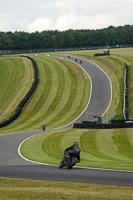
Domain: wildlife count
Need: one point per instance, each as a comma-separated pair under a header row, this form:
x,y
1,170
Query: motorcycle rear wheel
x,y
71,164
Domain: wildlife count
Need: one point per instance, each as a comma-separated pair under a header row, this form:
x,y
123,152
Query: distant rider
x,y
74,151
44,126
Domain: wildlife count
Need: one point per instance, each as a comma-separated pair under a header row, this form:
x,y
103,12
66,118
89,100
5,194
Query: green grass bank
x,y
60,83
18,189
62,94
109,149
16,77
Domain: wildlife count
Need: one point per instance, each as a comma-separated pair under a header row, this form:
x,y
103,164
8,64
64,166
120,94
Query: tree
x,y
122,35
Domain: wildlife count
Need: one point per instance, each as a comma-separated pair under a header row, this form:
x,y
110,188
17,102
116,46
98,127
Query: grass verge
x,y
14,85
18,189
109,149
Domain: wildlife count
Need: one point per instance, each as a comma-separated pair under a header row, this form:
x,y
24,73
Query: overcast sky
x,y
39,15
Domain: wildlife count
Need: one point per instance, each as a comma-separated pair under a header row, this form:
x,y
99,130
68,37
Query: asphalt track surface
x,y
12,165
101,89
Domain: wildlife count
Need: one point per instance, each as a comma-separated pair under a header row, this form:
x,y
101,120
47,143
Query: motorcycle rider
x,y
74,150
44,126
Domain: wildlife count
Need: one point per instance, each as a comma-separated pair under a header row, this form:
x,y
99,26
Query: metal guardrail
x,y
22,51
125,97
109,118
104,120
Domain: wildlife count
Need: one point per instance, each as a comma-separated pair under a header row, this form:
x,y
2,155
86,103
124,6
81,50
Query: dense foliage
x,y
122,35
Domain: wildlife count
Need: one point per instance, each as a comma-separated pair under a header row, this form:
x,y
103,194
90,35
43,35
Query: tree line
x,y
110,36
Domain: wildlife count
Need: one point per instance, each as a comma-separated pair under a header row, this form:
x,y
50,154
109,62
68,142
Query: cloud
x,y
41,24
39,15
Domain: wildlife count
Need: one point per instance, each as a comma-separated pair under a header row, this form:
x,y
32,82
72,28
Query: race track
x,y
101,89
12,165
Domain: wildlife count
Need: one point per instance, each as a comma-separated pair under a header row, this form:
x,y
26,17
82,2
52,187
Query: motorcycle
x,y
43,127
67,161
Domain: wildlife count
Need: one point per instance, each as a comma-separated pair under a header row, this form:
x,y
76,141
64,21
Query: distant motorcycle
x,y
67,161
43,126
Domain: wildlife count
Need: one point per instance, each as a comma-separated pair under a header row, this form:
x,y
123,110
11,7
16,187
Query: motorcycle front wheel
x,y
61,165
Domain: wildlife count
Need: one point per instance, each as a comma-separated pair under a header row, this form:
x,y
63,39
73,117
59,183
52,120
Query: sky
x,y
40,15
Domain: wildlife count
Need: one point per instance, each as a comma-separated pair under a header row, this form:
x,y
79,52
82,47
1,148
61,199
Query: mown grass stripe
x,y
107,146
123,144
60,87
92,147
44,87
50,145
43,97
77,92
69,96
56,98
62,93
47,92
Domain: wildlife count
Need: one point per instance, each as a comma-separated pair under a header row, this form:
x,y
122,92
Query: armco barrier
x,y
125,96
113,125
25,99
106,53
